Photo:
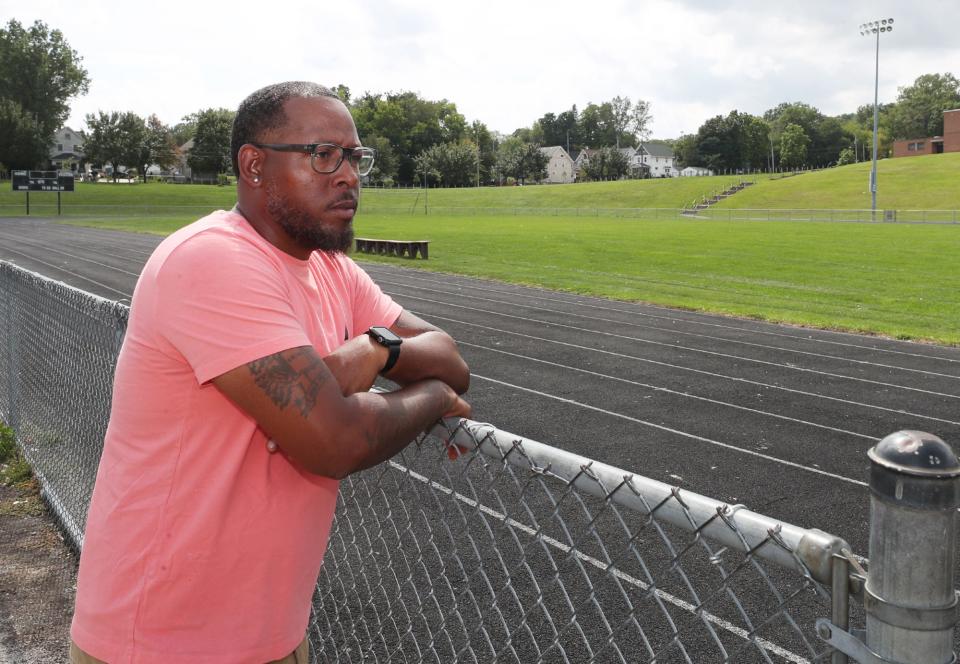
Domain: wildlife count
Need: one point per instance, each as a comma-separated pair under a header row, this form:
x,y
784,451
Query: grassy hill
x,y
660,193
930,182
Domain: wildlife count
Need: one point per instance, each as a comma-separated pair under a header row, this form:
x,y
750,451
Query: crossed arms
x,y
319,412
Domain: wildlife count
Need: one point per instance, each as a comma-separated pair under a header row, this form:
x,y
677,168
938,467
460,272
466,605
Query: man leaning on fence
x,y
241,396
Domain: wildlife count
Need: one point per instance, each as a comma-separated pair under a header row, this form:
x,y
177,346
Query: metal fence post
x,y
909,595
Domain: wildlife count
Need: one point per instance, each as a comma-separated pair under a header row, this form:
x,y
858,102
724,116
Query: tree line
x,y
427,141
795,135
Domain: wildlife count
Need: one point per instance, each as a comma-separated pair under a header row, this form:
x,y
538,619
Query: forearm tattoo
x,y
294,380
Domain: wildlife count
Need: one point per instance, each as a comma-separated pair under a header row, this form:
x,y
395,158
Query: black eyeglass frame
x,y
311,149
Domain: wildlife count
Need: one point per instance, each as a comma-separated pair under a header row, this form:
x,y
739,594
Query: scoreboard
x,y
42,180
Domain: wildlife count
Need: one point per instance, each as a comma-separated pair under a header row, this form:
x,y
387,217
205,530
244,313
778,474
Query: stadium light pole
x,y
867,29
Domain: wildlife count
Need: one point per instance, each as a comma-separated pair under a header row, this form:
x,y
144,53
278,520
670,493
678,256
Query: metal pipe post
x,y
876,118
909,595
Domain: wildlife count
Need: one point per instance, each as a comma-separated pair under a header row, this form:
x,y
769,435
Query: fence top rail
x,y
793,547
43,280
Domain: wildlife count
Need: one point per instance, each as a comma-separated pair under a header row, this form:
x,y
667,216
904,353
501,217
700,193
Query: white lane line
x,y
79,258
66,271
94,240
677,319
676,432
667,390
600,565
692,370
684,348
694,334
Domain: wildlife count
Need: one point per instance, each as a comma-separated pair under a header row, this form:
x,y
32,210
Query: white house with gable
x,y
66,149
658,158
560,168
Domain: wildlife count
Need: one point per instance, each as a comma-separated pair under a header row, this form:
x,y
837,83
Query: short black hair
x,y
263,110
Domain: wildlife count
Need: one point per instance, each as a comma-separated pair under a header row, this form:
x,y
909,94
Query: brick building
x,y
949,142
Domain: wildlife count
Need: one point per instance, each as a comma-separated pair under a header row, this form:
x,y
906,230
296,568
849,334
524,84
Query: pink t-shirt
x,y
200,546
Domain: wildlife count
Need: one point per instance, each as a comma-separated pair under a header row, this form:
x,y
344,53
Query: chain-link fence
x,y
520,552
514,552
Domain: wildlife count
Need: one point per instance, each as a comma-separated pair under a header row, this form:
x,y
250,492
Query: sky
x,y
503,62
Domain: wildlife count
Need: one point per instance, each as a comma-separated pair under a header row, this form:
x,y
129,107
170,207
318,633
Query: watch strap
x,y
394,350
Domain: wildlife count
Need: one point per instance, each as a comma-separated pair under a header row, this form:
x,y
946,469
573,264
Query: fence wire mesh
x,y
514,552
518,552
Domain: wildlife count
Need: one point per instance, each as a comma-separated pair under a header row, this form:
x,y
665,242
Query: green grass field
x,y
882,279
896,280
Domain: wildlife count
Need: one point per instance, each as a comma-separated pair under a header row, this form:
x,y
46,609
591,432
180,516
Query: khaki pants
x,y
299,656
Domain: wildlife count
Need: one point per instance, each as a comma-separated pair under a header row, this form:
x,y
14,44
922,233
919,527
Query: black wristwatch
x,y
388,340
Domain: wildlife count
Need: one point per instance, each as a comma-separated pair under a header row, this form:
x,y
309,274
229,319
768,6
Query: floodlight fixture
x,y
867,29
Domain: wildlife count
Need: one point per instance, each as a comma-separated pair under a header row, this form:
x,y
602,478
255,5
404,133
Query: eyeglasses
x,y
327,157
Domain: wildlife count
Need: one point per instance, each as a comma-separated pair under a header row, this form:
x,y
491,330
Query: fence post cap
x,y
916,453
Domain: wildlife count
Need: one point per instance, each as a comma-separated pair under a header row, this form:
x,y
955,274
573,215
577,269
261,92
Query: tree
x,y
864,137
343,92
385,165
847,156
184,130
41,74
521,160
211,142
533,134
736,142
607,163
640,119
21,144
486,144
410,123
919,109
827,136
454,164
793,146
621,109
685,151
158,147
114,138
596,125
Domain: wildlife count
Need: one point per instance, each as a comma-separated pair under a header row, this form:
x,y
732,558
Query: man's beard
x,y
306,230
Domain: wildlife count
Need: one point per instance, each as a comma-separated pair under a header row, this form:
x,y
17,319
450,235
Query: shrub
x,y
14,469
8,445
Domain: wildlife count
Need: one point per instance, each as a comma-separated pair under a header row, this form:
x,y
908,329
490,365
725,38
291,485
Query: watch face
x,y
385,336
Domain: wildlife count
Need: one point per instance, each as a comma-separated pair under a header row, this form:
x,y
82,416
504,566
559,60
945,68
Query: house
x,y
632,155
583,158
560,168
695,171
949,142
658,158
66,149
